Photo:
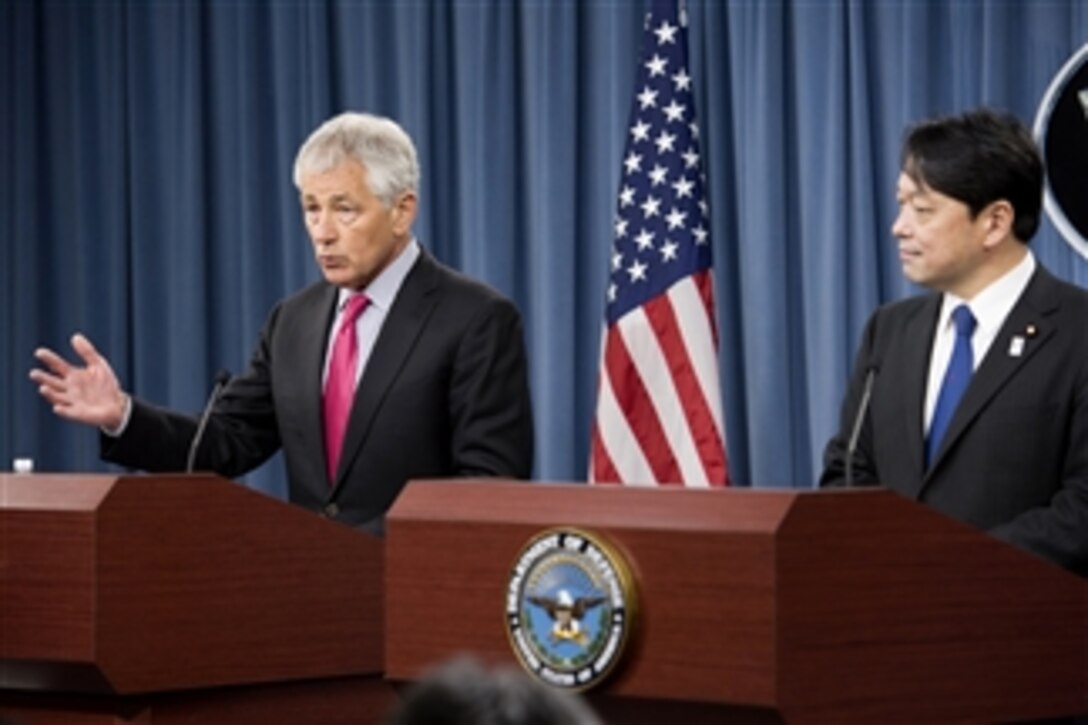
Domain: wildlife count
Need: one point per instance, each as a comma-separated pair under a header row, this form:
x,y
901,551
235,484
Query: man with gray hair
x,y
392,367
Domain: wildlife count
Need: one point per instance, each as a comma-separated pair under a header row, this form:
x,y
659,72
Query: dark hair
x,y
979,157
462,692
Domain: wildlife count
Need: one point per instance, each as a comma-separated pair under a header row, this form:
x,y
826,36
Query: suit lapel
x,y
1033,310
919,342
312,342
412,307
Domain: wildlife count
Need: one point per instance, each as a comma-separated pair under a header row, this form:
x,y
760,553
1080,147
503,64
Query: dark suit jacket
x,y
444,393
1015,458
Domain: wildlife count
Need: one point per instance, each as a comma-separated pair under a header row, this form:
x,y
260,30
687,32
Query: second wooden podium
x,y
853,606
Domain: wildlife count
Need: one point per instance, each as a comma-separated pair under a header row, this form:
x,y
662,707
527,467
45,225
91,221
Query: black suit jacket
x,y
444,393
1015,458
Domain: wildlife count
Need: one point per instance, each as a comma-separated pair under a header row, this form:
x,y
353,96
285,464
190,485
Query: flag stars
x,y
640,131
704,207
665,142
659,175
682,187
637,271
648,98
674,112
666,33
681,80
621,228
656,65
675,218
668,250
651,207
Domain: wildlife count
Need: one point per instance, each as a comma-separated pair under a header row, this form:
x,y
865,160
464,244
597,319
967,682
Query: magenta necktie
x,y
340,385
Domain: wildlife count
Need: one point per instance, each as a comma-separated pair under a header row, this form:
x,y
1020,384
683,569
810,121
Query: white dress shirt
x,y
990,307
381,292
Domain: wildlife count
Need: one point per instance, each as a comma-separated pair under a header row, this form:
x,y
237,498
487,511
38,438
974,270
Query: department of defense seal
x,y
570,607
1061,128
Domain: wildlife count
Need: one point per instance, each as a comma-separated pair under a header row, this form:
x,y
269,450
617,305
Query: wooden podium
x,y
850,606
162,599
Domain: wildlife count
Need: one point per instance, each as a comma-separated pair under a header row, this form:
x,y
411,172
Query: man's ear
x,y
404,212
998,219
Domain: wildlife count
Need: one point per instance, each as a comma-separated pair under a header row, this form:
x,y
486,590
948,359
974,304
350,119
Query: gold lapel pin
x,y
1031,331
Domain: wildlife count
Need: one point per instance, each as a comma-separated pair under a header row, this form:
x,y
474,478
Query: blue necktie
x,y
956,377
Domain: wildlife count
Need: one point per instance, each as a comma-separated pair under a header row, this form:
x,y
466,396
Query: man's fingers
x,y
46,380
61,368
66,410
85,350
50,394
53,361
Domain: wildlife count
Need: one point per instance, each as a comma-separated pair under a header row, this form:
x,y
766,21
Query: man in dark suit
x,y
393,367
1003,444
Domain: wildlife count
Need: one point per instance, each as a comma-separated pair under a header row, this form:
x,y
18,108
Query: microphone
x,y
221,379
855,433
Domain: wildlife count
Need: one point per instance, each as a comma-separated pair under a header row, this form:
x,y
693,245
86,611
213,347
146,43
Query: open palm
x,y
89,393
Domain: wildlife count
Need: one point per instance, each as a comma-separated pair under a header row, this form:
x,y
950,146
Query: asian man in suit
x,y
392,367
1002,444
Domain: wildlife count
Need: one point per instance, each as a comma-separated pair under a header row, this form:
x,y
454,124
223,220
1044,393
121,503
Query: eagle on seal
x,y
566,613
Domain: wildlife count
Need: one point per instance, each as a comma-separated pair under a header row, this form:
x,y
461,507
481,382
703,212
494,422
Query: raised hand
x,y
89,394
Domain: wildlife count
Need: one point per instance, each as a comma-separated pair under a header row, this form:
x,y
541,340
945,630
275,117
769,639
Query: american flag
x,y
659,411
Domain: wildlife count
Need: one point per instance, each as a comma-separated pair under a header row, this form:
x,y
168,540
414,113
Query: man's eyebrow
x,y
342,196
910,195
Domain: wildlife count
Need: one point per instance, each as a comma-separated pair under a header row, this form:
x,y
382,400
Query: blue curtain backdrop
x,y
145,193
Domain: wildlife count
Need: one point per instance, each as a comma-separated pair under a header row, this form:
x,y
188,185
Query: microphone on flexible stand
x,y
221,379
855,433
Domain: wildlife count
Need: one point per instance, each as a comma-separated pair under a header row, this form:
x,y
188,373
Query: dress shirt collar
x,y
383,289
992,305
